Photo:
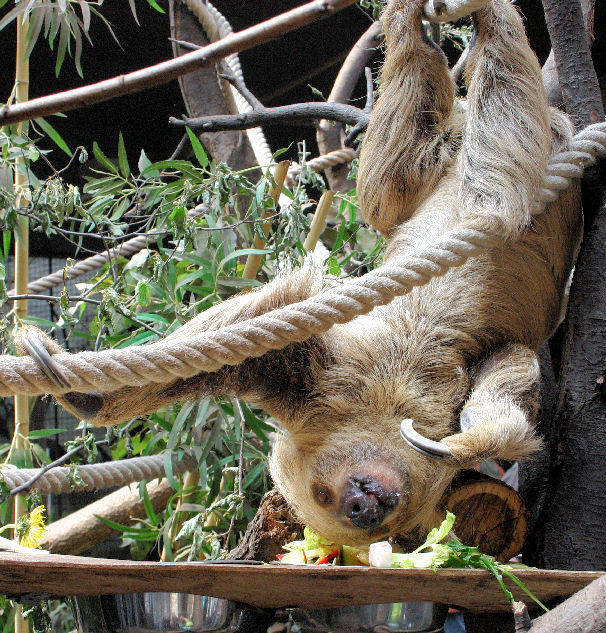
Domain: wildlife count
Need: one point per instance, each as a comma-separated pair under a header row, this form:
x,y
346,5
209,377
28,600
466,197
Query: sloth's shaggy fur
x,y
459,351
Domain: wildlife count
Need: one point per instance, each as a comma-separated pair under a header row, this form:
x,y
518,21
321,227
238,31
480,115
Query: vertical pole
x,y
251,268
21,261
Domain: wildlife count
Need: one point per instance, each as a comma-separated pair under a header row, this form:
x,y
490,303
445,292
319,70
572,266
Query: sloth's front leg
x,y
271,381
499,416
412,135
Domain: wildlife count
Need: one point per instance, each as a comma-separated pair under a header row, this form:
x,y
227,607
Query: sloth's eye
x,y
322,494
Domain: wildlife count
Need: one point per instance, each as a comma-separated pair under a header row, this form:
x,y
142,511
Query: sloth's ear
x,y
490,514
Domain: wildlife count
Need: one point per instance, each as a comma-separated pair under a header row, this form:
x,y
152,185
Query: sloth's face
x,y
356,490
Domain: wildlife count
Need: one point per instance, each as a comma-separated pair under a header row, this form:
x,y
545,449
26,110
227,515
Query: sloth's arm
x,y
275,381
412,135
507,137
498,418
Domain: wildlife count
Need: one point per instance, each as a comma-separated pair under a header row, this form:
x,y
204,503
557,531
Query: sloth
x,y
456,359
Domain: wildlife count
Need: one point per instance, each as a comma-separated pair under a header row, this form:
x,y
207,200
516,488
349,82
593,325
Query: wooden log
x,y
490,514
273,586
82,530
273,526
584,612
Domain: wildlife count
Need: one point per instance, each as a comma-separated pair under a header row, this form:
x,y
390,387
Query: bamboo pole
x,y
318,222
21,429
253,261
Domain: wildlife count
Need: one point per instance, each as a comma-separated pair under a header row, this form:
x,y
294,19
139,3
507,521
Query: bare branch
x,y
281,115
329,136
572,54
166,71
370,100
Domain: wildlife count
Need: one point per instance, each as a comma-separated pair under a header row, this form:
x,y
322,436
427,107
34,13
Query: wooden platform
x,y
276,585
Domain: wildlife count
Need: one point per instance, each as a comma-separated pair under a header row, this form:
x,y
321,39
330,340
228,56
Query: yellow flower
x,y
31,528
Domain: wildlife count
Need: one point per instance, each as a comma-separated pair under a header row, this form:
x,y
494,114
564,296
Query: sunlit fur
x,y
461,347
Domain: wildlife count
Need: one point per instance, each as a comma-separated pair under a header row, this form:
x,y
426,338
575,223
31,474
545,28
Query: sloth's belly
x,y
513,293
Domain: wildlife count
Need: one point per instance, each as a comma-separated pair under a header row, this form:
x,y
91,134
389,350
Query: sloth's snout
x,y
366,502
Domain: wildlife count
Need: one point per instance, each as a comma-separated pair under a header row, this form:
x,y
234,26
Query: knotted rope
x,y
167,360
96,476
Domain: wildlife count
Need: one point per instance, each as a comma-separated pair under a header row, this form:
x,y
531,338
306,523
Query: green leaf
x,y
54,135
178,425
62,46
122,157
241,252
168,470
198,149
103,159
13,13
36,435
143,293
147,504
156,6
144,162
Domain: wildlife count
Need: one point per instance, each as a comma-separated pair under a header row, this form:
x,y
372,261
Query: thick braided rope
x,y
166,360
96,476
320,163
90,264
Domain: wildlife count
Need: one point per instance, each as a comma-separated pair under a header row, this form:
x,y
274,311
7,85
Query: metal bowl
x,y
157,613
397,617
177,612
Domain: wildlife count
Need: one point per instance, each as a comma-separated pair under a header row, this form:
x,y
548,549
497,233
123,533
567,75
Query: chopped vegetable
x,y
329,558
434,553
380,554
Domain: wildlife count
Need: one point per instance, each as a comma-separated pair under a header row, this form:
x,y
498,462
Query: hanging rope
x,y
167,360
97,476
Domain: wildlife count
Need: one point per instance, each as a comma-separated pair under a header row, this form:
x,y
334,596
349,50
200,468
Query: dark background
x,y
278,73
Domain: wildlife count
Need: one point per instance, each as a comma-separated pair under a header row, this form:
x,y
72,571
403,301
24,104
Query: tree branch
x,y
261,116
166,71
328,135
281,115
572,55
584,612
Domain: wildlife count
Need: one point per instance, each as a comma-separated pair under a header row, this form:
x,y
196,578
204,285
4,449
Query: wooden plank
x,y
276,585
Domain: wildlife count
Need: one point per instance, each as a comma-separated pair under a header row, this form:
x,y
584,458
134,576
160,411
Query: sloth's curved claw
x,y
425,446
35,348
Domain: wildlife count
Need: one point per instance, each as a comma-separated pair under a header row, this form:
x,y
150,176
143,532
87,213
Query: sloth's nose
x,y
365,502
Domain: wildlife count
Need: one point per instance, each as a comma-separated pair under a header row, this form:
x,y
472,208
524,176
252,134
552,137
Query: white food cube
x,y
379,554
